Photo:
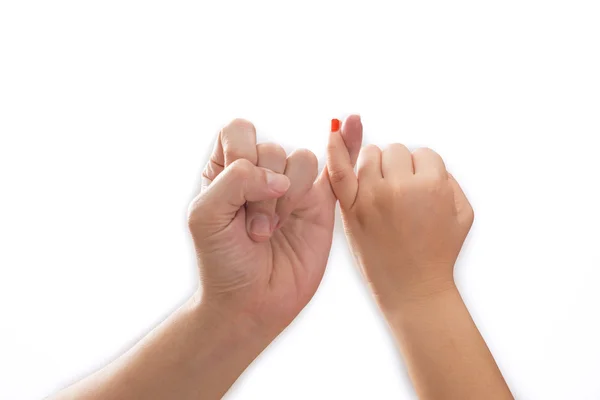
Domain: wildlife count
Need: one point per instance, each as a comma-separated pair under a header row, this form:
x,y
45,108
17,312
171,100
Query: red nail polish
x,y
335,125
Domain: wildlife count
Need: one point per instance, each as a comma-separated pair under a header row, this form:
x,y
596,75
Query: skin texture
x,y
406,219
262,227
268,274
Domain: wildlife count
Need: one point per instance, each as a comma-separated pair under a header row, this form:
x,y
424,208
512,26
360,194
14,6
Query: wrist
x,y
199,349
230,328
420,295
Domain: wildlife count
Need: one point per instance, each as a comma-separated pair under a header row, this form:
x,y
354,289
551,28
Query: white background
x,y
108,111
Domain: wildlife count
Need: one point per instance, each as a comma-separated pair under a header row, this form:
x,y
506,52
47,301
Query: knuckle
x,y
401,189
241,168
369,154
424,151
233,154
306,156
430,154
337,176
241,125
431,184
272,150
371,148
332,146
303,161
396,147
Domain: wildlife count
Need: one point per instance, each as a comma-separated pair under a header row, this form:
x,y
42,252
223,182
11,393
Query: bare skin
x,y
255,276
262,228
406,219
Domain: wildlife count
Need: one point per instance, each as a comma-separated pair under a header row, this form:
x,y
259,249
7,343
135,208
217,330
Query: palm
x,y
301,247
284,271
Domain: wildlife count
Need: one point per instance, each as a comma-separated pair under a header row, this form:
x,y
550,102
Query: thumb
x,y
340,167
239,183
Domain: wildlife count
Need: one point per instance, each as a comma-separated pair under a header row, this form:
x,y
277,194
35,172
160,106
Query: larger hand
x,y
263,239
254,283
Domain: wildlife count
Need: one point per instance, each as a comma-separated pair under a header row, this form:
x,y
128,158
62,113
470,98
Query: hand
x,y
263,225
406,219
262,228
405,216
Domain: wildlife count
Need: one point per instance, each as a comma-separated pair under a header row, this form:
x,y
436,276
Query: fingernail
x,y
260,225
277,182
335,125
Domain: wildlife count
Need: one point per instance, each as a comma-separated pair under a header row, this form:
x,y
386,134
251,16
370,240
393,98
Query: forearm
x,y
446,355
197,353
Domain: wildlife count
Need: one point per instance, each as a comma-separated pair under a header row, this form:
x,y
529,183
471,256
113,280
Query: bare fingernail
x,y
260,225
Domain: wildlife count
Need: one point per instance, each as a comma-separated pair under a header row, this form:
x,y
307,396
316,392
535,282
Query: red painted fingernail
x,y
335,125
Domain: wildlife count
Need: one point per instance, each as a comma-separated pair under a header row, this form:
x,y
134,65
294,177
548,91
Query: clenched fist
x,y
263,225
405,216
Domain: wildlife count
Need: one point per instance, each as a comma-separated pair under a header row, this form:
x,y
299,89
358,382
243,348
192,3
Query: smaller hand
x,y
406,219
405,216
